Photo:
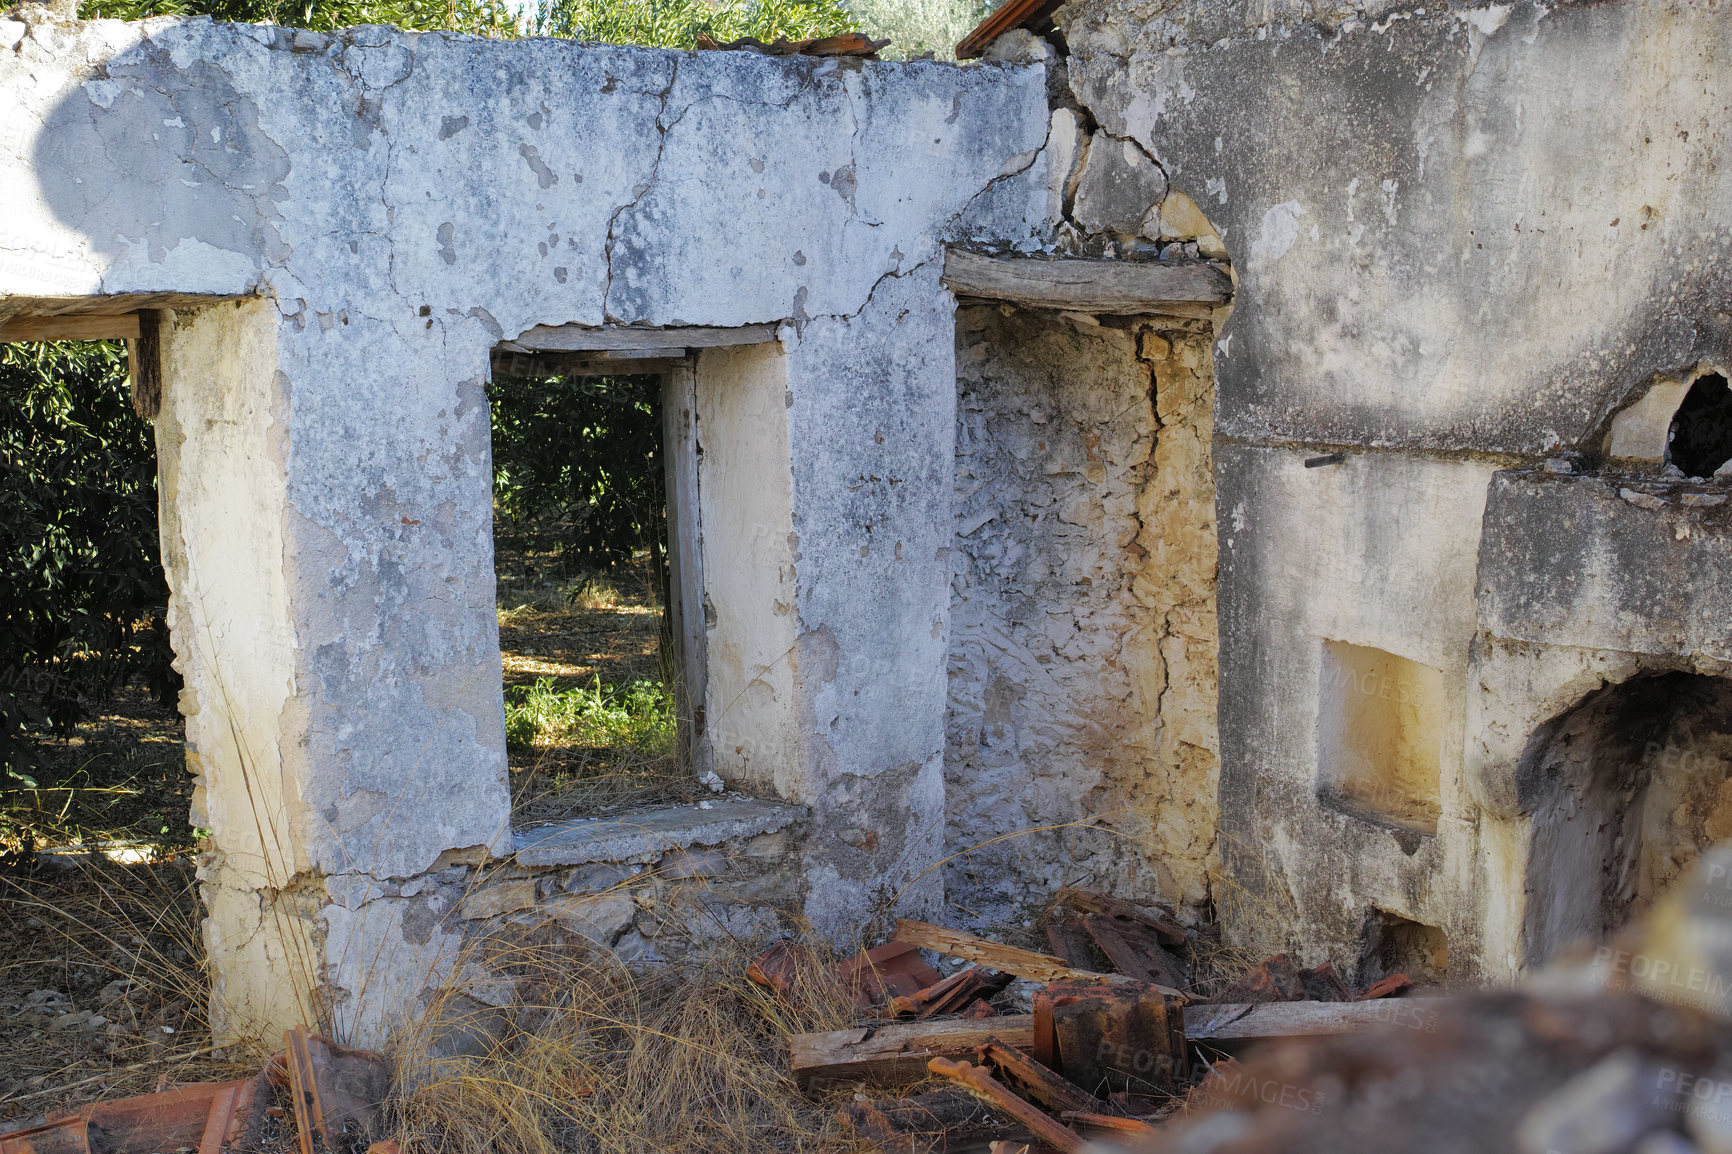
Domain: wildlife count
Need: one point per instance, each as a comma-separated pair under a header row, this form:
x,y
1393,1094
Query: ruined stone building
x,y
1254,456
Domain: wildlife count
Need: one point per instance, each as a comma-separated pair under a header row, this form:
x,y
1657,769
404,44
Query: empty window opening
x,y
1624,791
580,557
1398,945
1379,736
92,748
1700,440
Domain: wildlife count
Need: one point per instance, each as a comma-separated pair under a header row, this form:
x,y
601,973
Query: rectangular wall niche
x,y
1379,736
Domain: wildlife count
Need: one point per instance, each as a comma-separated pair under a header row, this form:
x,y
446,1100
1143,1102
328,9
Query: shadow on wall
x,y
1625,791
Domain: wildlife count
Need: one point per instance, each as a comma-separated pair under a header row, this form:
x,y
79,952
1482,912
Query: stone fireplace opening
x,y
1699,441
1397,945
1623,792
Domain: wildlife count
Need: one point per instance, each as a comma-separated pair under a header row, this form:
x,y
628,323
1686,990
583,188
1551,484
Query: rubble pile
x,y
1100,1042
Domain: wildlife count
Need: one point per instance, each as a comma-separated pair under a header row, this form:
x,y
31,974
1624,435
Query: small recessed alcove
x,y
1379,736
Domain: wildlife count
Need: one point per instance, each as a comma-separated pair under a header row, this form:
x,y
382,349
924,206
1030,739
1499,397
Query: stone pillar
x,y
329,551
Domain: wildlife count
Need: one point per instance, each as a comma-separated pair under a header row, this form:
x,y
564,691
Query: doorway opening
x,y
91,744
590,667
1624,791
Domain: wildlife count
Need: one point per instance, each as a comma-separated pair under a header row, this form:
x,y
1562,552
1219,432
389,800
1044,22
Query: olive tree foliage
x,y
84,593
679,23
915,27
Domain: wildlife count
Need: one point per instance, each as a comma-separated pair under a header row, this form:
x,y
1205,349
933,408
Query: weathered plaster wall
x,y
403,203
746,502
1464,238
1080,744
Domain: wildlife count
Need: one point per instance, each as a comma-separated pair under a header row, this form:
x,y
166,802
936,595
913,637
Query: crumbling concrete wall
x,y
1081,735
1465,237
391,207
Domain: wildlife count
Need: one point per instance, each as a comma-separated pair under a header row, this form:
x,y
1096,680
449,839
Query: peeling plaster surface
x,y
400,203
1476,258
1464,238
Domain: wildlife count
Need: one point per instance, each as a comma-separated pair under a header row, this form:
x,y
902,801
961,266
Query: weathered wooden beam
x,y
577,338
1243,1023
507,363
993,955
144,365
898,1052
119,327
996,1094
1105,287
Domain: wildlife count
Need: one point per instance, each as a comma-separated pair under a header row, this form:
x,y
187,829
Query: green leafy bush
x,y
639,717
85,595
678,23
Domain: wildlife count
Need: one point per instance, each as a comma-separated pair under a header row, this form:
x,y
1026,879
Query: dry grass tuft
x,y
599,1057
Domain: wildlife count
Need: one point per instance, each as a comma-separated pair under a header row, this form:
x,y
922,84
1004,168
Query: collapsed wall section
x,y
1080,743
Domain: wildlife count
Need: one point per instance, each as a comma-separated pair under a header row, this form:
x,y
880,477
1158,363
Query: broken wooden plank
x,y
1243,1023
1107,287
1110,1122
897,1052
1044,1085
121,327
578,338
1034,15
1036,967
991,1091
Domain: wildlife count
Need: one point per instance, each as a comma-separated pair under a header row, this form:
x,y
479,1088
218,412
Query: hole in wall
x,y
1699,441
1624,791
1398,945
1379,736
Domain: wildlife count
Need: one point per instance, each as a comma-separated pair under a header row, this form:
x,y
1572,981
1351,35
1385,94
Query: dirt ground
x,y
100,986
